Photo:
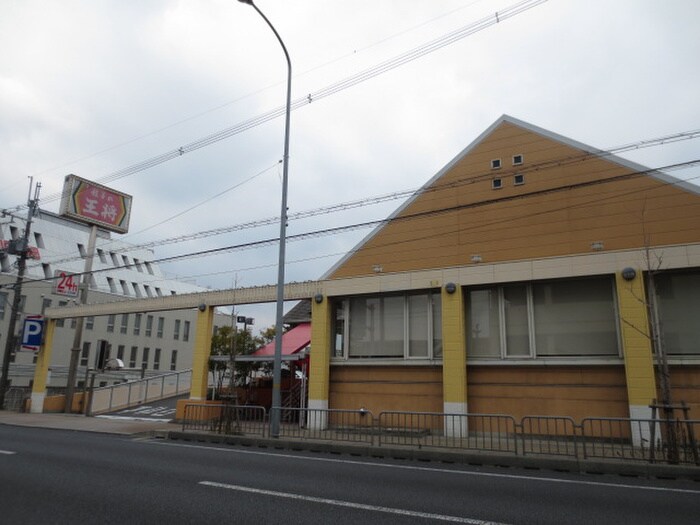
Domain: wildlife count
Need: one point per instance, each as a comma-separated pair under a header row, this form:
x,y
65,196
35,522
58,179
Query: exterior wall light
x,y
202,307
597,246
628,274
476,258
318,298
450,288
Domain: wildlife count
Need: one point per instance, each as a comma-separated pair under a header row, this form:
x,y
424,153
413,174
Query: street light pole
x,y
277,363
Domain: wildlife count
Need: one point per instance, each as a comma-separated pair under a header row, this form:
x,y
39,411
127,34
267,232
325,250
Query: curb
x,y
558,464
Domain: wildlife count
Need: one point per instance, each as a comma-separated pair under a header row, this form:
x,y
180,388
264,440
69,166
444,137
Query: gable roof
x,y
607,156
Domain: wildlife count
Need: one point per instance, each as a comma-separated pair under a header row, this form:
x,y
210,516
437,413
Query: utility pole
x,y
78,334
19,247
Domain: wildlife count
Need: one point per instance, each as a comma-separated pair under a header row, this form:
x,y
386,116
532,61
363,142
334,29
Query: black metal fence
x,y
641,440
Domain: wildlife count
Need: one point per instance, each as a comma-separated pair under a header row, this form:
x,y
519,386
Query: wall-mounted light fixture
x,y
377,268
476,258
450,288
318,298
628,274
596,246
202,307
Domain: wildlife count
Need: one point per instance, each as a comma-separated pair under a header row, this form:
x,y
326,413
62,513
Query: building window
x,y
125,287
3,304
147,288
110,322
563,318
39,239
61,322
47,270
125,324
139,266
133,356
390,326
517,160
45,303
149,325
120,352
176,333
85,354
102,256
161,324
495,164
678,302
173,360
497,184
149,267
112,285
137,324
156,359
82,251
137,290
127,264
144,360
186,331
115,260
159,292
518,179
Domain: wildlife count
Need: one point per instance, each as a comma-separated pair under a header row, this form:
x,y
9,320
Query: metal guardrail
x,y
108,398
641,440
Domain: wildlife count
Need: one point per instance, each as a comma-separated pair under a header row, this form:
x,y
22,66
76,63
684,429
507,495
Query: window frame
x,y
342,305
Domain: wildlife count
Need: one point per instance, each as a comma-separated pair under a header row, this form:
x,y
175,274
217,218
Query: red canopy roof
x,y
293,341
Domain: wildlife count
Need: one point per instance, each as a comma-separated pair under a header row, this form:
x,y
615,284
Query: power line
x,y
341,85
424,214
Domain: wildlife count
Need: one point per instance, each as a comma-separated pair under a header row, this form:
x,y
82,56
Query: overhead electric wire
x,y
419,215
372,200
366,74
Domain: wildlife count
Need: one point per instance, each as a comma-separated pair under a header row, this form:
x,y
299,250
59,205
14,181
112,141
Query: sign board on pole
x,y
32,332
93,203
65,283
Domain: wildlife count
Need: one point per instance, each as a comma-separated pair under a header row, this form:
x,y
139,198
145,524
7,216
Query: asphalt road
x,y
56,476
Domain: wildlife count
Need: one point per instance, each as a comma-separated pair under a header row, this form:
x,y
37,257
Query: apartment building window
x,y
125,324
495,164
517,160
186,331
173,360
148,291
73,323
112,285
46,268
82,251
61,322
161,324
39,239
149,267
102,256
120,352
176,332
137,290
137,324
156,359
111,318
144,361
132,356
139,266
125,287
115,260
127,264
149,325
45,303
85,354
3,304
90,322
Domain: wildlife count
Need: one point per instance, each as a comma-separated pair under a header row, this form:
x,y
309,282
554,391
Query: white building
x,y
159,342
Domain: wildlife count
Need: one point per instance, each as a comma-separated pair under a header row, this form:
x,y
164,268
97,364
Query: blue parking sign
x,y
32,331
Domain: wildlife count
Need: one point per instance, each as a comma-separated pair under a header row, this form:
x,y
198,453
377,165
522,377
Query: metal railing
x,y
108,398
641,440
489,432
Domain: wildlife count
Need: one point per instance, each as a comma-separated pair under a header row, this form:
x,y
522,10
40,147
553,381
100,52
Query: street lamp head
x,y
249,2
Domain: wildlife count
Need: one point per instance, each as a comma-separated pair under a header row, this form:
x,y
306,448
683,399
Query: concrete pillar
x,y
319,366
637,349
454,361
41,371
200,355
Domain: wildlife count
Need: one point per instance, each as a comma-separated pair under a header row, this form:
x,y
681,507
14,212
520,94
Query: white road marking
x,y
433,469
7,452
133,418
349,504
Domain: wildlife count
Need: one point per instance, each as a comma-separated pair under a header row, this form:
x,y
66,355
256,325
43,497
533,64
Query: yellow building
x,y
515,282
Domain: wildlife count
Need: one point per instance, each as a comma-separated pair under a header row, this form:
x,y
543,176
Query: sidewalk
x,y
87,424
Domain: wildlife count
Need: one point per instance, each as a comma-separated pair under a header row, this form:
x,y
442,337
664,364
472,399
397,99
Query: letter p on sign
x,y
32,332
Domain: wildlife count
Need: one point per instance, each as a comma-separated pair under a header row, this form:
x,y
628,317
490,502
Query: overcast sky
x,y
92,87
